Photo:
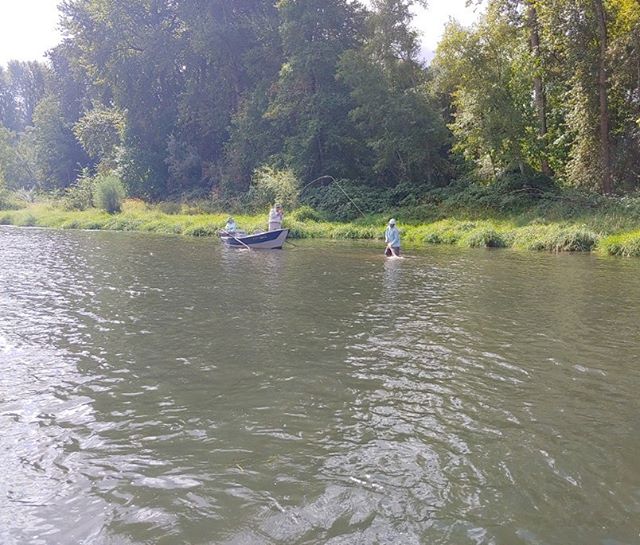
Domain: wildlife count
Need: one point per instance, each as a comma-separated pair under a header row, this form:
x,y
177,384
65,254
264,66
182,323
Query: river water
x,y
160,390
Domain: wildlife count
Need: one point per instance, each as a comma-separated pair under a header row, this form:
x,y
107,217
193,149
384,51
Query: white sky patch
x,y
430,22
28,28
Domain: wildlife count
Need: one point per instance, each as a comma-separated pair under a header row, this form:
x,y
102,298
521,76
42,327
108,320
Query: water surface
x,y
159,390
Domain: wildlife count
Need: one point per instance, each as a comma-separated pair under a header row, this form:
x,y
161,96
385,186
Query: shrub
x,y
170,207
485,237
306,213
80,195
344,200
270,185
108,193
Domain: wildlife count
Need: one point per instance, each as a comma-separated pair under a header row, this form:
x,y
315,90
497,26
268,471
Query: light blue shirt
x,y
392,236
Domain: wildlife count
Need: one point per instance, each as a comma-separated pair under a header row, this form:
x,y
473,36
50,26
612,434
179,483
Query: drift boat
x,y
269,240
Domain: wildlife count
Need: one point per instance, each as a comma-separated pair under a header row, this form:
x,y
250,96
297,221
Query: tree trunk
x,y
539,95
605,145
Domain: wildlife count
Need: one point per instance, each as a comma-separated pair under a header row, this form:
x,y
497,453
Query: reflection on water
x,y
166,390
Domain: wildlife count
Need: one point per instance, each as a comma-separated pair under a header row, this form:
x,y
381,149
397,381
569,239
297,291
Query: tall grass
x,y
531,233
624,244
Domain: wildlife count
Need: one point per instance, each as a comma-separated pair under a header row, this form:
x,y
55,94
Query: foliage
x,y
393,110
271,185
80,195
108,193
625,244
22,86
310,107
485,72
346,201
306,213
100,131
54,146
186,99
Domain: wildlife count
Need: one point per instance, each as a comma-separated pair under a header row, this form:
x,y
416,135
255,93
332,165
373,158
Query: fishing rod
x,y
334,181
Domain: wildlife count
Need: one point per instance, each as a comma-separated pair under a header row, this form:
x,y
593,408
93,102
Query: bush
x,y
306,213
108,193
80,195
345,200
270,185
171,208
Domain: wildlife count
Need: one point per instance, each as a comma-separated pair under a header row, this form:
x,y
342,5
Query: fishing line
x,y
333,180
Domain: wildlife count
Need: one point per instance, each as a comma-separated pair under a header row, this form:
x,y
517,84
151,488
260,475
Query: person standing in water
x,y
392,239
276,215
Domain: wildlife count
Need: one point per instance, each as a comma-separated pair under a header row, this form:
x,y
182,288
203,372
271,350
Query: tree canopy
x,y
195,97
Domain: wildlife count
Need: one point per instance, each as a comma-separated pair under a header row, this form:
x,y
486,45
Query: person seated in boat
x,y
231,226
276,215
392,238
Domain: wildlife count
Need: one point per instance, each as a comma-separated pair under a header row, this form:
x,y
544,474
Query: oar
x,y
236,239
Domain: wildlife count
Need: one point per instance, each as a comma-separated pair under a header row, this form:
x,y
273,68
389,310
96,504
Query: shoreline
x,y
537,235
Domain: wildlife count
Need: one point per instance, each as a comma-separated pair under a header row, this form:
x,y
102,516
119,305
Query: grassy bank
x,y
603,231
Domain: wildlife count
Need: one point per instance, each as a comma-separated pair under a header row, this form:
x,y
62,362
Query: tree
x,y
27,84
232,57
487,73
101,132
130,49
393,111
53,144
310,107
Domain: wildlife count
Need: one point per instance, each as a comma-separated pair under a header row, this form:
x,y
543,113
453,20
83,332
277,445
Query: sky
x,y
28,28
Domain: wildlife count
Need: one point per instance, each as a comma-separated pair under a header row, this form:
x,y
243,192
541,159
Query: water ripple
x,y
162,390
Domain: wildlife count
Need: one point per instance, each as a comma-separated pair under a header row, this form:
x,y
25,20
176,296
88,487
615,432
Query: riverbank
x,y
595,232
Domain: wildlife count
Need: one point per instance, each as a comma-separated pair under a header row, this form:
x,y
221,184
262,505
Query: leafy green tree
x,y
53,144
486,71
583,48
101,132
232,55
130,49
26,84
405,134
310,107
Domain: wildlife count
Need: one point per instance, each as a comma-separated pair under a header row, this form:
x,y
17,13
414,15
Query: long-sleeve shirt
x,y
275,219
392,236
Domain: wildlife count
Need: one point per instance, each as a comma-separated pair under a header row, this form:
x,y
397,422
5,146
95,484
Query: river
x,y
166,390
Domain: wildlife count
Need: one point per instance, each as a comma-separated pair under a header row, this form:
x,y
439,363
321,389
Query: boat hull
x,y
269,240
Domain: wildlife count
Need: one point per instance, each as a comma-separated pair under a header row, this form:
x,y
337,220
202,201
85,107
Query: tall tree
x,y
130,48
310,106
404,133
539,92
486,72
603,95
232,49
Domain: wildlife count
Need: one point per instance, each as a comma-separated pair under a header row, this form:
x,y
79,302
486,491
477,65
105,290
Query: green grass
x,y
607,232
622,244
